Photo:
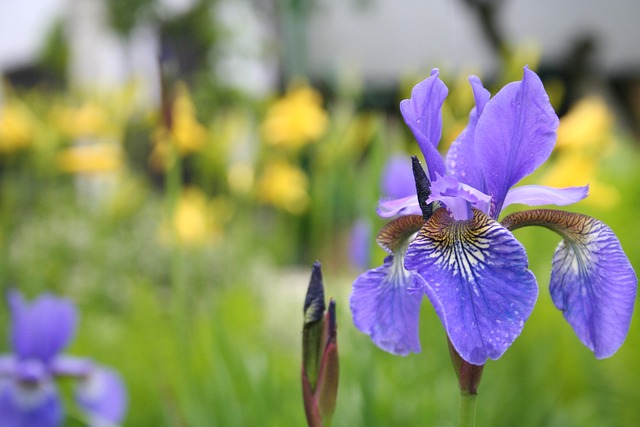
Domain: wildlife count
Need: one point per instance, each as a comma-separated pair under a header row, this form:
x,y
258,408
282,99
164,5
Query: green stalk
x,y
467,417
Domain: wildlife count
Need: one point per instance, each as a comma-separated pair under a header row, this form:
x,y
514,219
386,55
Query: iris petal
x,y
514,135
29,404
423,115
477,280
103,395
536,195
592,280
384,309
462,160
404,206
42,328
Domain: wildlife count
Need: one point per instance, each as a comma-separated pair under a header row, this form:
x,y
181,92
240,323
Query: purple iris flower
x,y
40,331
469,265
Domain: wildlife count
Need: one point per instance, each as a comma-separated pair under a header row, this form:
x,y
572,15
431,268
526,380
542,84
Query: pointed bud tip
x,y
314,304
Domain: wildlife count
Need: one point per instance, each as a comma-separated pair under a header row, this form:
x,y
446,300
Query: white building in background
x,y
382,39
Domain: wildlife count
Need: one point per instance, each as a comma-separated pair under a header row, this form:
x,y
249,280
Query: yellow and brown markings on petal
x,y
398,231
461,245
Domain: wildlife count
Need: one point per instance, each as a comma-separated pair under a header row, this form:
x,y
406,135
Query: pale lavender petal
x,y
42,328
477,280
70,366
397,178
462,159
404,206
458,198
515,134
384,309
593,283
423,115
103,396
29,404
537,195
7,364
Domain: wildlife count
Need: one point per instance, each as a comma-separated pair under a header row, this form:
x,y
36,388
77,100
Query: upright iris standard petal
x,y
462,159
103,395
592,280
478,281
514,135
43,328
423,115
29,404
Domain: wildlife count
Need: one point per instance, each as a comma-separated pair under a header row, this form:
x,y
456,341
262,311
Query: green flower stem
x,y
467,410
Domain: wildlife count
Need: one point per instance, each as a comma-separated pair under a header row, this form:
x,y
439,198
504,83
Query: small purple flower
x,y
40,331
469,265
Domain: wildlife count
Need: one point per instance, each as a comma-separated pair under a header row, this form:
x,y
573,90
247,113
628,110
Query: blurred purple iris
x,y
469,265
40,331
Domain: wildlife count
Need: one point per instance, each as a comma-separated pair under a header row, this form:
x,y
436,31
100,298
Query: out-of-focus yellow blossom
x,y
16,128
241,177
88,120
295,119
90,158
196,220
187,135
284,186
585,136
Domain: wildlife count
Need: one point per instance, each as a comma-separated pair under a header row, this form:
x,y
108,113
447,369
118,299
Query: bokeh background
x,y
176,166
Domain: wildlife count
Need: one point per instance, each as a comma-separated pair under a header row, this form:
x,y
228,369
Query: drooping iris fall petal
x,y
477,280
29,404
592,280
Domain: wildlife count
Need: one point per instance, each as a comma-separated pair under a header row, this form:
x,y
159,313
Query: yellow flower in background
x,y
284,186
588,125
295,119
88,120
90,158
198,220
585,136
187,135
16,128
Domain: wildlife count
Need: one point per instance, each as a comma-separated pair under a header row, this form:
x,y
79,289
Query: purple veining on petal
x,y
383,308
537,195
42,328
477,279
423,115
515,134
